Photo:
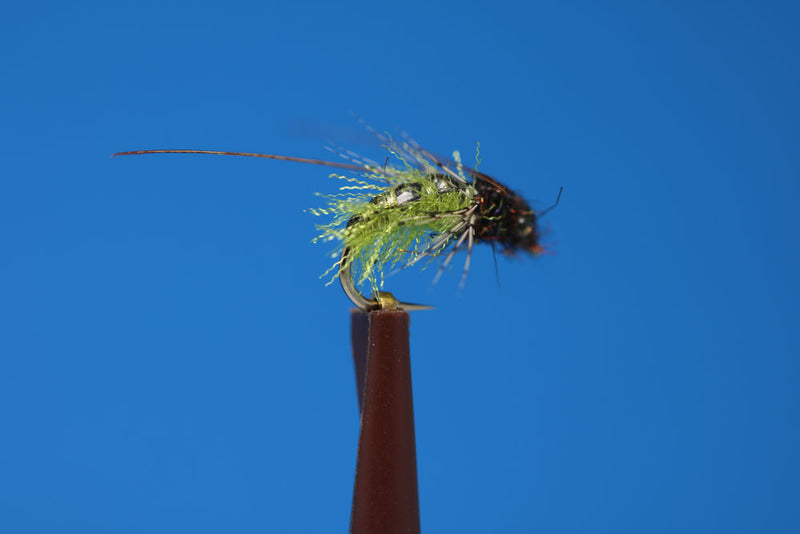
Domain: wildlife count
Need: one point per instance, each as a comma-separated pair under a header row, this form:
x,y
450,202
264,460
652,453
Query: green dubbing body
x,y
390,216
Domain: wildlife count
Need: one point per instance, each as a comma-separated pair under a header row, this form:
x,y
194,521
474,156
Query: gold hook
x,y
380,301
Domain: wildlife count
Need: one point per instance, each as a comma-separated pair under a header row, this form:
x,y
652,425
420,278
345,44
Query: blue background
x,y
171,362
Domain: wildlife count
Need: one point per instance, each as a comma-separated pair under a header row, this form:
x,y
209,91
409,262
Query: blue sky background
x,y
170,361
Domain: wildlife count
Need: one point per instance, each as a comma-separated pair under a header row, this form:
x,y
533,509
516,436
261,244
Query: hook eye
x,y
384,301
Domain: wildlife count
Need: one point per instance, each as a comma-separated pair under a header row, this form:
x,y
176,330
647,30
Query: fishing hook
x,y
381,301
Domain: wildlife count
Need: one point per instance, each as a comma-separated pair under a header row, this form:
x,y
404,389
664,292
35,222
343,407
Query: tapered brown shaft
x,y
359,337
385,497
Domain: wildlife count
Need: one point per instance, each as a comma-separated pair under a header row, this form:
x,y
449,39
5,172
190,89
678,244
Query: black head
x,y
526,235
525,229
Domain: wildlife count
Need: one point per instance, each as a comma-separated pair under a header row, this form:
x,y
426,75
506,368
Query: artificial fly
x,y
393,216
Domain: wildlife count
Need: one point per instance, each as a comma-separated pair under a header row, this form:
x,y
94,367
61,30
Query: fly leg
x,y
449,258
470,243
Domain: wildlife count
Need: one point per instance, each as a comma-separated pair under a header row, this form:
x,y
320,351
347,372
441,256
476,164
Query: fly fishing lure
x,y
395,215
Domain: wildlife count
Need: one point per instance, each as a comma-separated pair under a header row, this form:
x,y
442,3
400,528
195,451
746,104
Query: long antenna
x,y
544,212
324,163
